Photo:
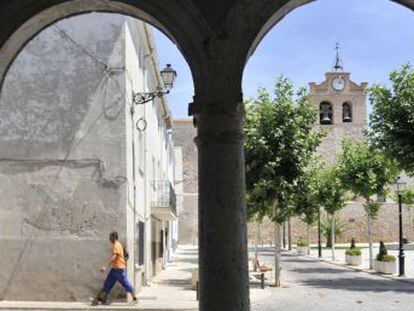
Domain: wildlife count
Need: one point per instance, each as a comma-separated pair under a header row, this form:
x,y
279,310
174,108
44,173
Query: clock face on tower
x,y
338,83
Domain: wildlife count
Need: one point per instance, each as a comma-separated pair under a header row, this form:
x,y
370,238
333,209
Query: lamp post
x,y
168,75
399,188
319,234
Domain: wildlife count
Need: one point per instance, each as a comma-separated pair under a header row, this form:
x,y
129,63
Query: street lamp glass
x,y
168,75
399,186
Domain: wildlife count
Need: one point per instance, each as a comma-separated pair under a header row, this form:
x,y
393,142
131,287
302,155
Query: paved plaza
x,y
392,250
309,284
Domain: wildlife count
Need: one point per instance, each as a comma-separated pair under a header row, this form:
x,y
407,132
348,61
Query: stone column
x,y
223,267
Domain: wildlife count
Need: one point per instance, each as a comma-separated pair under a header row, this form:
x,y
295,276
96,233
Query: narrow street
x,y
309,285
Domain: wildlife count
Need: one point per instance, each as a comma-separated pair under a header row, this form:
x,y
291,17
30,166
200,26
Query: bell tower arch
x,y
341,105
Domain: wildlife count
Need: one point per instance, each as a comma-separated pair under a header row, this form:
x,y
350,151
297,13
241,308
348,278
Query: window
x,y
346,113
325,113
381,197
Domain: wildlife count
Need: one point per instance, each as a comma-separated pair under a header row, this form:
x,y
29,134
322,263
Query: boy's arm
x,y
113,258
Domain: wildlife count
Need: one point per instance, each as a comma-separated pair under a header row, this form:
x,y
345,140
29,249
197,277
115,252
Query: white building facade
x,y
79,158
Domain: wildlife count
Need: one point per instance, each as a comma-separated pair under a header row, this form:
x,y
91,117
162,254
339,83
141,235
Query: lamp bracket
x,y
140,98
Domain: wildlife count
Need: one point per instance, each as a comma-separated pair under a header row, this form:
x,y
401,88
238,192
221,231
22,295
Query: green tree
x,y
326,228
280,143
408,201
332,196
306,197
408,196
392,117
366,171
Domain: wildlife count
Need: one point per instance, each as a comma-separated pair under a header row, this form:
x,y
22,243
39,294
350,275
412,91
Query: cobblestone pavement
x,y
308,284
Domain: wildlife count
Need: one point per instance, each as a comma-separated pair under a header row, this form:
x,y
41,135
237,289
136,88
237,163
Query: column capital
x,y
220,123
226,104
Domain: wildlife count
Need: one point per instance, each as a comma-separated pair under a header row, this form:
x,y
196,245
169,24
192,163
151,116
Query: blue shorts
x,y
120,276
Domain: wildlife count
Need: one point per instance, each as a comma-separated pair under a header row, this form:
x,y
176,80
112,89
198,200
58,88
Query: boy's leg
x,y
108,285
123,279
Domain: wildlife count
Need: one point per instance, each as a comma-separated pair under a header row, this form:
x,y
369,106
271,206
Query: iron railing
x,y
164,196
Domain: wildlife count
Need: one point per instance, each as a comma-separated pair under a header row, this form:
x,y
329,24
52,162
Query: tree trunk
x,y
333,236
328,239
369,234
278,253
289,236
256,245
309,238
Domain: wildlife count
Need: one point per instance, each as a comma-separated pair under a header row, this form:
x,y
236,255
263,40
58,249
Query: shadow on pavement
x,y
360,284
322,270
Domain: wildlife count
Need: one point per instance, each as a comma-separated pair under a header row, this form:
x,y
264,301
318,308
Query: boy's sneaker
x,y
134,301
95,302
105,302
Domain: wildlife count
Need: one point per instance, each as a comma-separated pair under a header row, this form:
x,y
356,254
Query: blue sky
x,y
376,37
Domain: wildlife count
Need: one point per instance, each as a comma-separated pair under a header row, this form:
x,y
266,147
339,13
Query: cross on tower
x,y
338,64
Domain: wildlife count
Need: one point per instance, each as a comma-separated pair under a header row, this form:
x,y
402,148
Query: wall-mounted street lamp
x,y
399,189
168,75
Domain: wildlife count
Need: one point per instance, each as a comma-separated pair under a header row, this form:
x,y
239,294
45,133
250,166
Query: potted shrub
x,y
385,263
353,255
302,246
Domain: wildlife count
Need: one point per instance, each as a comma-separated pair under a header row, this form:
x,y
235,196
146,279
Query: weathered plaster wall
x,y
62,160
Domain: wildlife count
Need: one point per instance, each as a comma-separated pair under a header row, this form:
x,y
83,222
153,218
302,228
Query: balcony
x,y
164,202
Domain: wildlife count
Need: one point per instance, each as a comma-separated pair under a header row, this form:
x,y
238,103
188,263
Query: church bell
x,y
347,118
326,119
346,110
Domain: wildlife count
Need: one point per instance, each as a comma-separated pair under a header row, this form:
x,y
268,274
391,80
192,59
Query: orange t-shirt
x,y
118,250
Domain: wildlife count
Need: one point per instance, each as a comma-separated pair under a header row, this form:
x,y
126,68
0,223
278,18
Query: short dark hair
x,y
114,235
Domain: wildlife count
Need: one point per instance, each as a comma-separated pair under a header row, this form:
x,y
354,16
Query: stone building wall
x,y
188,217
385,227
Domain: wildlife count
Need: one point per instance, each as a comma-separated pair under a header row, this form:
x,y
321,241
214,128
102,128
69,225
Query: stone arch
x,y
325,113
347,112
28,25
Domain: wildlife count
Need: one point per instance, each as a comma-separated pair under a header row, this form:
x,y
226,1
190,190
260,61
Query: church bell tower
x,y
342,108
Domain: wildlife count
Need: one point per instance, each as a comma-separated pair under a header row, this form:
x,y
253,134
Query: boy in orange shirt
x,y
117,272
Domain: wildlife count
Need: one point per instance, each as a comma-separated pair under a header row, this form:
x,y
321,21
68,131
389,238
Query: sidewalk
x,y
169,291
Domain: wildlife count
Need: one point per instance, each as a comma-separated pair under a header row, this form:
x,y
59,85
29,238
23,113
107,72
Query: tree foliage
x,y
408,196
331,189
280,143
392,117
306,194
326,229
366,171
